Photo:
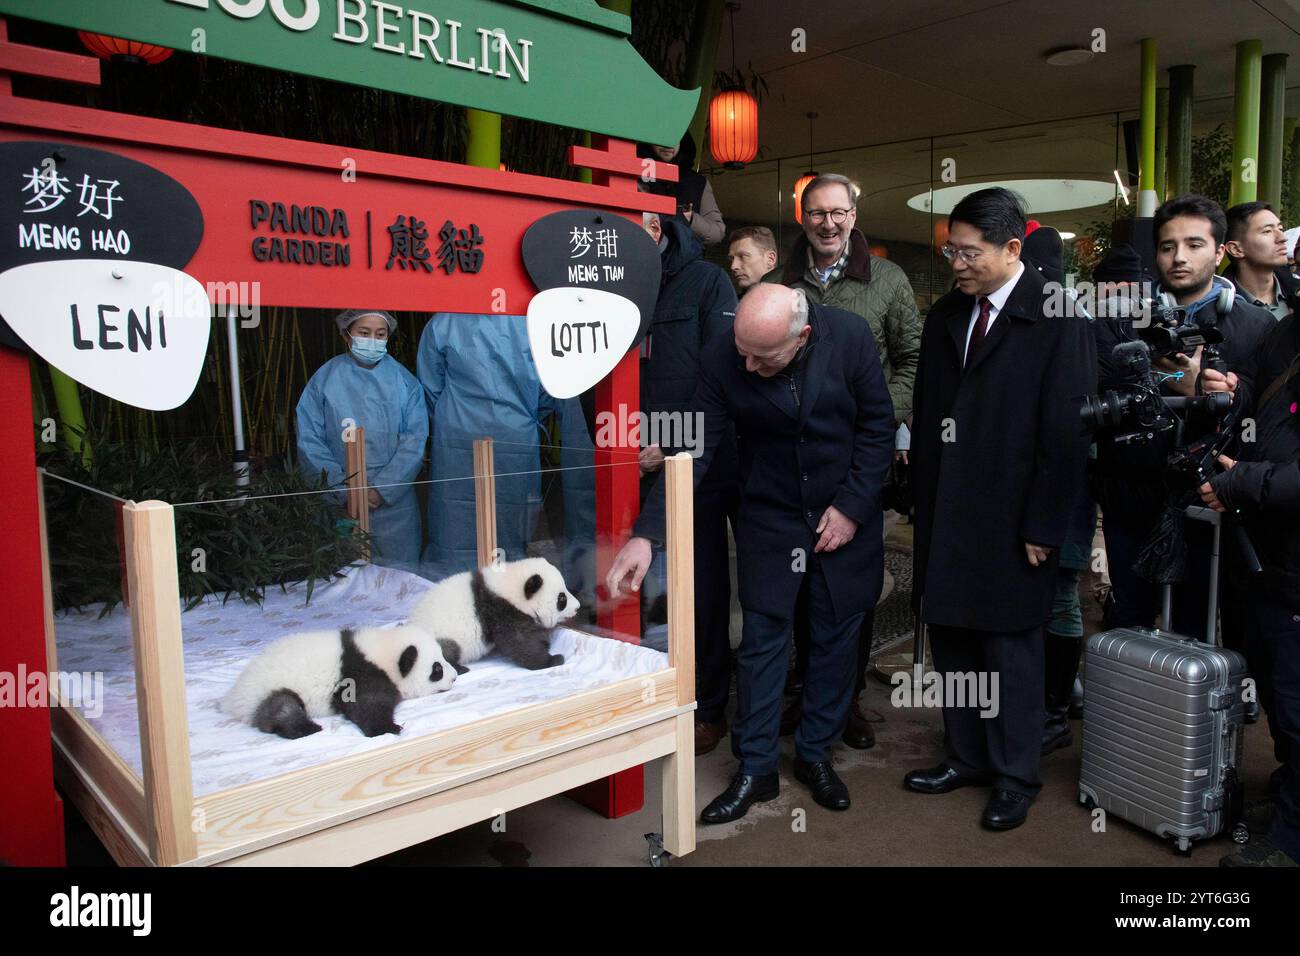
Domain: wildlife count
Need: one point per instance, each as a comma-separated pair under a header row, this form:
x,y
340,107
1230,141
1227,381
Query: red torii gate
x,y
224,170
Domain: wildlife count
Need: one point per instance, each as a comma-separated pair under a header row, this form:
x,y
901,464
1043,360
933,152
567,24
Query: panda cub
x,y
512,606
361,674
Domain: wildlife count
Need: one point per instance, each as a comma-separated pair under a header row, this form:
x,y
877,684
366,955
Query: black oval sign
x,y
589,248
72,202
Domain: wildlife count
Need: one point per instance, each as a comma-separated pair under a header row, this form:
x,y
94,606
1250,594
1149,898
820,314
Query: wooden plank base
x,y
387,831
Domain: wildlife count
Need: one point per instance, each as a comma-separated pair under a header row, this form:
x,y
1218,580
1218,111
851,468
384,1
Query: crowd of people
x,y
814,377
803,411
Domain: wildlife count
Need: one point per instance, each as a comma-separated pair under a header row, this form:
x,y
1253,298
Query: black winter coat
x,y
997,458
833,450
696,303
1265,484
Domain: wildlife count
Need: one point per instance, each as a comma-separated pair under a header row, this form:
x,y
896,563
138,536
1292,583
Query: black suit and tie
x,y
818,435
997,459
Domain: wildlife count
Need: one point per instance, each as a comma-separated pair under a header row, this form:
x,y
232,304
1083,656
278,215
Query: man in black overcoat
x,y
803,387
997,458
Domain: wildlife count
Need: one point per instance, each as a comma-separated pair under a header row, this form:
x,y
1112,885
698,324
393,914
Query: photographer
x,y
1263,488
1129,479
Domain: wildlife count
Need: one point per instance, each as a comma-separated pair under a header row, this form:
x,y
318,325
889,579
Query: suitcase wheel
x,y
1241,834
1183,846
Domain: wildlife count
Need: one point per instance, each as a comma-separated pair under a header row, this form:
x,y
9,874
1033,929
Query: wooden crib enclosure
x,y
356,808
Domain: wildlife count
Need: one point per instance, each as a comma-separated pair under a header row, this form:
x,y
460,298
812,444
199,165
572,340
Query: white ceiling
x,y
915,69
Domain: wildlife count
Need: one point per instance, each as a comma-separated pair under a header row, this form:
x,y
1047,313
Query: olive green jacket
x,y
877,290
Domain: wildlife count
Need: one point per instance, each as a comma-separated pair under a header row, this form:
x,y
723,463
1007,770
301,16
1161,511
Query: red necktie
x,y
981,328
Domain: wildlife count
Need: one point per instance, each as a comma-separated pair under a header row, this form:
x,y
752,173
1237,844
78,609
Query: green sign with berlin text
x,y
566,62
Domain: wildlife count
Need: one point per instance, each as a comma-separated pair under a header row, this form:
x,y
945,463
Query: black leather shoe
x,y
857,731
745,790
941,779
1005,810
826,786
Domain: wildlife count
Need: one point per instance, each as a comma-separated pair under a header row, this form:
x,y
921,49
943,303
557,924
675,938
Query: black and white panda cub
x,y
512,606
362,674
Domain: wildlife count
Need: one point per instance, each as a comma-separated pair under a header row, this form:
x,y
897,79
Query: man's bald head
x,y
771,326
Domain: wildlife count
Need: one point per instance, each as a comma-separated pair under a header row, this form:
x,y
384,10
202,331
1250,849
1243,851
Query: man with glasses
x,y
997,465
833,266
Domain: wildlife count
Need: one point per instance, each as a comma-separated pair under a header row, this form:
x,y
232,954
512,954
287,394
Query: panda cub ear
x,y
407,660
532,586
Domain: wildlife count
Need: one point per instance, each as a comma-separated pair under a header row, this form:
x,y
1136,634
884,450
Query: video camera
x,y
1138,413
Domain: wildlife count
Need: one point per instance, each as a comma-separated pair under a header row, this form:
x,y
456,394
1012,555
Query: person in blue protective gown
x,y
365,387
480,382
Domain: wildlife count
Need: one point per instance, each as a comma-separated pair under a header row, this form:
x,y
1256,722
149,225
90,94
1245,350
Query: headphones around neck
x,y
1223,303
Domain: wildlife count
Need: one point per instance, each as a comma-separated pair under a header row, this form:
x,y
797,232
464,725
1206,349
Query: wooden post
x,y
485,501
160,680
47,583
679,767
354,464
680,552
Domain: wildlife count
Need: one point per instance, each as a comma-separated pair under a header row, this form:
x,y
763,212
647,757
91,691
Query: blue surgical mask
x,y
369,351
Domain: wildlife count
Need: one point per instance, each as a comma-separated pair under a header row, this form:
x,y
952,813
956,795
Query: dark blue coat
x,y
696,303
834,450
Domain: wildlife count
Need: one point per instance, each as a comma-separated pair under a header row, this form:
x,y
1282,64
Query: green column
x,y
1245,132
701,58
483,145
1147,132
1162,140
1180,129
1272,122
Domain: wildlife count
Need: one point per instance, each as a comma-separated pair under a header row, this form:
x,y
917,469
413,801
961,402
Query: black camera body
x,y
1173,334
1138,413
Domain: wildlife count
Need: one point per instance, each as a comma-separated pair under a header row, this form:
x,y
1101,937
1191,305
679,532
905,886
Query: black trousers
x,y
760,676
1273,651
713,507
1004,747
801,640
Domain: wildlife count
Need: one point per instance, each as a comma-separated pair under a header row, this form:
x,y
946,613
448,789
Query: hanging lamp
x,y
802,182
123,51
733,117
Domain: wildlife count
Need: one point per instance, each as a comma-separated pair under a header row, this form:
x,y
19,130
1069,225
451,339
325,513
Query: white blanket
x,y
220,639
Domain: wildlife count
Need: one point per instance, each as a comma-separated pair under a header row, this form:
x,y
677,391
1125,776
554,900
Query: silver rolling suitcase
x,y
1162,732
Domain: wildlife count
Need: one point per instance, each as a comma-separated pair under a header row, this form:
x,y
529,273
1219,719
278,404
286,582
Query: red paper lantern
x,y
733,128
124,51
940,234
800,185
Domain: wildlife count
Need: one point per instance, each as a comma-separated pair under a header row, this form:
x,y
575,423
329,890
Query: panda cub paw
x,y
555,660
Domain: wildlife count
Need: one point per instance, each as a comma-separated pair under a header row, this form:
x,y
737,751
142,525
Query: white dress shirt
x,y
997,299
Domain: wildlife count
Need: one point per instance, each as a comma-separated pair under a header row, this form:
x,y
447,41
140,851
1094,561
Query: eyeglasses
x,y
837,216
966,255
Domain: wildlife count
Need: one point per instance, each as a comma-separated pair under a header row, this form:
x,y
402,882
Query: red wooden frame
x,y
223,169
